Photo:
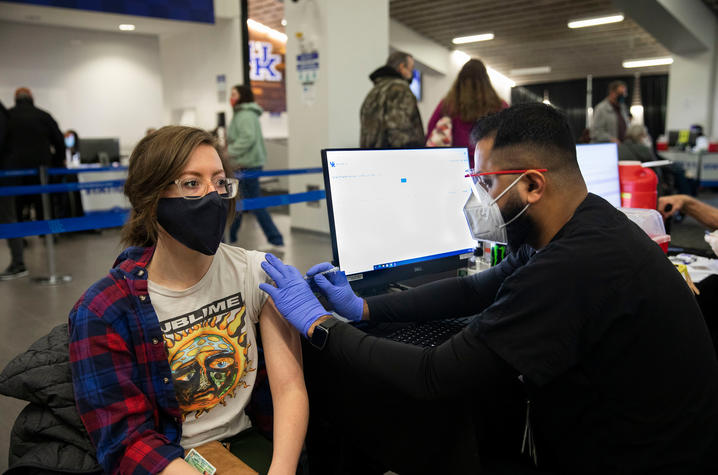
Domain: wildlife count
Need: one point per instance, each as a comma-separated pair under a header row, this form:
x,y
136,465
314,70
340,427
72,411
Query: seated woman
x,y
164,349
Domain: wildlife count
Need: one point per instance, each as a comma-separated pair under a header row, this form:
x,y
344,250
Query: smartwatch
x,y
321,333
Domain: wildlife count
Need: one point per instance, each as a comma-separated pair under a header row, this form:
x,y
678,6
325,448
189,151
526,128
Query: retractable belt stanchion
x,y
52,278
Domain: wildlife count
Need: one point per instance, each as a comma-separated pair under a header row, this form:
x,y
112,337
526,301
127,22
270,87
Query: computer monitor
x,y
681,138
397,214
692,137
415,84
599,167
100,150
672,138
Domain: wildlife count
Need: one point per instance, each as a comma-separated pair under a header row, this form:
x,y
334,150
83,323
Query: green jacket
x,y
244,137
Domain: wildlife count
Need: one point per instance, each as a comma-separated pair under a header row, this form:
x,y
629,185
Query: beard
x,y
521,230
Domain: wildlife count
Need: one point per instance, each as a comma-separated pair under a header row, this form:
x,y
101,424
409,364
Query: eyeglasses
x,y
486,185
193,188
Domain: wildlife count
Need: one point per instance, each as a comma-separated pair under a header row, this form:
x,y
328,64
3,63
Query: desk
x,y
103,200
701,166
698,267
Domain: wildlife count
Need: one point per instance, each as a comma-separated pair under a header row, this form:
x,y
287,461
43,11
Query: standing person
x,y
610,116
470,98
587,312
164,348
16,268
389,115
34,140
245,146
69,204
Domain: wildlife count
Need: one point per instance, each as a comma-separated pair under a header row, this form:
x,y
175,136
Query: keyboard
x,y
428,334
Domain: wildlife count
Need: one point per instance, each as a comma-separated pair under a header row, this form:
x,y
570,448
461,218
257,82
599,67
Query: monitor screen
x,y
599,167
100,150
672,138
415,84
396,214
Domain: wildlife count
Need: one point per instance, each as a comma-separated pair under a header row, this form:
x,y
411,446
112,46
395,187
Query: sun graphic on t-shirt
x,y
209,361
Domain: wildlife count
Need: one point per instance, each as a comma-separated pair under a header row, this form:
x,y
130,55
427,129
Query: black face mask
x,y
621,99
519,231
198,224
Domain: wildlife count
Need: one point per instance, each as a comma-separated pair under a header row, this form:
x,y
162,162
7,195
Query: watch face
x,y
320,336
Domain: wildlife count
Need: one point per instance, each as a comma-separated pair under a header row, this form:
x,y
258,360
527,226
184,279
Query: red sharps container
x,y
651,222
639,186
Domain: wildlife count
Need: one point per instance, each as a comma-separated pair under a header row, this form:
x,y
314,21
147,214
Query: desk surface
x,y
698,267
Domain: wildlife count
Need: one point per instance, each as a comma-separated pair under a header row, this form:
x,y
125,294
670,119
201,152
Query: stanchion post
x,y
52,278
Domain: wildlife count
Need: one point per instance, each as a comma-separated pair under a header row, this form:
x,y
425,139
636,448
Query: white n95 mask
x,y
484,216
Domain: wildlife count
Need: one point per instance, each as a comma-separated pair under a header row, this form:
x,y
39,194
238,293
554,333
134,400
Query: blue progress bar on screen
x,y
389,265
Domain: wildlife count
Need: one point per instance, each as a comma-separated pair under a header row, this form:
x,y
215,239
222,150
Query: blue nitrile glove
x,y
292,295
337,290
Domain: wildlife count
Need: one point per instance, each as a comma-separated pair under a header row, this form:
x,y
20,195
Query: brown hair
x,y
158,160
613,85
245,93
472,96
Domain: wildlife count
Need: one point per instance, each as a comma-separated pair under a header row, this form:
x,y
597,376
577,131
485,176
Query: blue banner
x,y
280,200
75,171
186,10
296,171
18,172
116,218
96,220
61,187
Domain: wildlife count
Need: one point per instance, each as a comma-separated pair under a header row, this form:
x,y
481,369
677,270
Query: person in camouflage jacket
x,y
389,115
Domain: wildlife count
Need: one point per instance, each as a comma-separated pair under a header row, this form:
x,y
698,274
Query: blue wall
x,y
185,10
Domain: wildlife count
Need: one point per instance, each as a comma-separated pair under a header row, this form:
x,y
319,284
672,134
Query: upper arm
x,y
247,128
282,348
599,129
245,135
399,106
57,139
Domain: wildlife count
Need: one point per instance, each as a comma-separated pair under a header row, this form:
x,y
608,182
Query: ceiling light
x,y
261,28
459,57
472,39
127,27
529,71
497,77
595,21
642,63
284,22
545,97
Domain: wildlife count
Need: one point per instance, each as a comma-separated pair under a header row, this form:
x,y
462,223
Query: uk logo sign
x,y
263,63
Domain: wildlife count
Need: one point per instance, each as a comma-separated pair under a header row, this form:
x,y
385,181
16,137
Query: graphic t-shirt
x,y
209,332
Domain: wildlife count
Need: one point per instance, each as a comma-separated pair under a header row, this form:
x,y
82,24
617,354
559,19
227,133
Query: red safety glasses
x,y
478,177
506,172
